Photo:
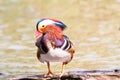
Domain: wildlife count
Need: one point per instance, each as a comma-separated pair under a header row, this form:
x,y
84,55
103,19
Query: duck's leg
x,y
62,72
49,74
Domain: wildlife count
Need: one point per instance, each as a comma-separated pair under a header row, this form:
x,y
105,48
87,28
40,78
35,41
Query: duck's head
x,y
47,25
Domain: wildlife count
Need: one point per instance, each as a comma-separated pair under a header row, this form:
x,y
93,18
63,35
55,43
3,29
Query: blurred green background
x,y
93,27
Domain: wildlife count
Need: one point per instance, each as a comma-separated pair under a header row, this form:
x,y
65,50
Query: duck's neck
x,y
56,40
53,35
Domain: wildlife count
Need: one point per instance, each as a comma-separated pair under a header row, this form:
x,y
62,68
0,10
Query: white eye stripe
x,y
46,22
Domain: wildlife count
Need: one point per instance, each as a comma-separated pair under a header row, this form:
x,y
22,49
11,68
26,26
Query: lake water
x,y
96,38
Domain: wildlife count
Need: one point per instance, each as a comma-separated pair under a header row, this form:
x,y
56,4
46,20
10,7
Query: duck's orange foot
x,y
61,74
49,74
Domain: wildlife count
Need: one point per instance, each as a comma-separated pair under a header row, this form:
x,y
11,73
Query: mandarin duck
x,y
52,45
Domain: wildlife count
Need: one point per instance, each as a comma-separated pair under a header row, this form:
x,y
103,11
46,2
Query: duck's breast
x,y
56,55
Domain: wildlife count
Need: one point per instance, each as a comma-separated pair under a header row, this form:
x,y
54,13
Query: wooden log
x,y
78,75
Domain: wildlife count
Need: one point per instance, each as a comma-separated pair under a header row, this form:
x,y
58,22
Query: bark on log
x,y
79,75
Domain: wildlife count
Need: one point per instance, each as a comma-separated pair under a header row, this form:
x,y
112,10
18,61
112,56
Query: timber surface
x,y
78,75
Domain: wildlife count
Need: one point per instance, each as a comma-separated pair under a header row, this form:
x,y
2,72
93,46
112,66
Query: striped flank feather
x,y
66,44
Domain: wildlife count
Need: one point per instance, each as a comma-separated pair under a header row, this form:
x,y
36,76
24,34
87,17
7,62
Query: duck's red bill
x,y
37,34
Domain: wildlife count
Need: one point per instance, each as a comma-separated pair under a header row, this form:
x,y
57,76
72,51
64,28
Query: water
x,y
96,38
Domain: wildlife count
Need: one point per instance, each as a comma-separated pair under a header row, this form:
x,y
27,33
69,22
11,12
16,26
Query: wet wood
x,y
79,75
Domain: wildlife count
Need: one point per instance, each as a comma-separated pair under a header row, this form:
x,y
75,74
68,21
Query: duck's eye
x,y
43,25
